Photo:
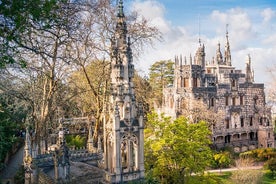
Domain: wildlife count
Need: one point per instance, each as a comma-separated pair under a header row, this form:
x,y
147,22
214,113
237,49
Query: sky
x,y
251,27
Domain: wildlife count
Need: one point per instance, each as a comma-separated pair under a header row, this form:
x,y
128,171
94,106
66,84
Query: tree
x,y
143,92
20,17
64,37
160,76
223,159
197,110
12,118
175,149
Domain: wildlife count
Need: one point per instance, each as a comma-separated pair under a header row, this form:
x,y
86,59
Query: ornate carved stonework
x,y
123,132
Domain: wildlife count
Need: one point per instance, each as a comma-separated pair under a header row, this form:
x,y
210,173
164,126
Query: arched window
x,y
212,102
241,100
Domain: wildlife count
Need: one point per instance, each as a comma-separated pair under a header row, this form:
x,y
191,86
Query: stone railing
x,y
224,131
79,155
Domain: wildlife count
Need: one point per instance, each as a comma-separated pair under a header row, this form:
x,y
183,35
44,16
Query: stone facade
x,y
123,125
246,120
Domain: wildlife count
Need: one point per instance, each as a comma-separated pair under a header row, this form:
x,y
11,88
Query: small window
x,y
261,121
233,83
227,123
195,82
242,122
241,100
226,101
212,102
233,101
251,121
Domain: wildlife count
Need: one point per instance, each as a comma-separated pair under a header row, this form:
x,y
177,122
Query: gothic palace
x,y
246,120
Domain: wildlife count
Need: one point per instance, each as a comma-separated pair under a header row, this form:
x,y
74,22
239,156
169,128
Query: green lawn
x,y
235,177
268,178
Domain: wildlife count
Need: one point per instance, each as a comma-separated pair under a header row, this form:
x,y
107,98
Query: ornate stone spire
x,y
124,127
121,28
227,52
249,76
219,55
28,148
121,9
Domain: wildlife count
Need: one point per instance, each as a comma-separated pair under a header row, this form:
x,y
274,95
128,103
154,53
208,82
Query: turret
x,y
219,55
249,75
200,56
227,52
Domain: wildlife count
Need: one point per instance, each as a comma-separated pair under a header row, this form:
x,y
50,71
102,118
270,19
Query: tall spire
x,y
219,55
123,139
121,27
121,9
249,76
227,52
199,39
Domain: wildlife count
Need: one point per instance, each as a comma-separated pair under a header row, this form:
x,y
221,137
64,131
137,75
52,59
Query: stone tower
x,y
31,175
123,124
61,158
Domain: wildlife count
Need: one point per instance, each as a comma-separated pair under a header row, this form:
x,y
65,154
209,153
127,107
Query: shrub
x,y
247,176
271,164
75,141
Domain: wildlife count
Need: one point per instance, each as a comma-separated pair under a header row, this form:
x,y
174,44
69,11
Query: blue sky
x,y
252,30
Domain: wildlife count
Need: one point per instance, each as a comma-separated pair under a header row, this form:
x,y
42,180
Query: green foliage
x,y
271,164
174,149
75,141
223,159
17,17
12,117
269,177
261,154
161,75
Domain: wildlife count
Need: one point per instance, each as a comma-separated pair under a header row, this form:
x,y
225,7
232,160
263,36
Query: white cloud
x,y
267,14
240,26
152,11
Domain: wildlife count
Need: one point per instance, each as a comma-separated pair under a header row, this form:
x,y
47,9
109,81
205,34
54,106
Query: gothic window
x,y
226,101
124,154
181,82
233,83
233,101
242,122
241,100
261,121
251,121
268,135
212,102
227,138
227,123
195,82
